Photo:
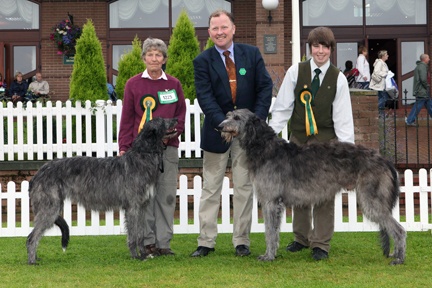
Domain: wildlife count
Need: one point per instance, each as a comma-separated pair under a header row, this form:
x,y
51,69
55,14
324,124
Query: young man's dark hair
x,y
323,36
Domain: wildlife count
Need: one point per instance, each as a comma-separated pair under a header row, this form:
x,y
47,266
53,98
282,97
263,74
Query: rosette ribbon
x,y
148,104
306,100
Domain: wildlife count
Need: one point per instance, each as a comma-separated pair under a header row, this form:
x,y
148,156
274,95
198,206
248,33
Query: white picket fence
x,y
59,118
422,223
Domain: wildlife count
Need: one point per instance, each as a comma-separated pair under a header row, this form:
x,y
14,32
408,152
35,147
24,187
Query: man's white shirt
x,y
342,110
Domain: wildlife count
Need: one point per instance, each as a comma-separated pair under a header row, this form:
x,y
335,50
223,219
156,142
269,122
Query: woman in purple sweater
x,y
150,94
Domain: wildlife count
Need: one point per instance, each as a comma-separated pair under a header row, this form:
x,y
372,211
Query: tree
x,y
209,43
129,65
183,48
88,81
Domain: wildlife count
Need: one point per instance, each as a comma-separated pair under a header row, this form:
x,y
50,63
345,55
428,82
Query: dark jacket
x,y
254,90
421,85
18,89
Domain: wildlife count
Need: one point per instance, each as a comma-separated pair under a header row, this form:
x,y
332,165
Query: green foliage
x,y
129,65
88,81
209,44
183,48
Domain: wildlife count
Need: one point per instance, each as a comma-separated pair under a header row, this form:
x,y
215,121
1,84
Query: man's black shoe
x,y
242,250
319,254
295,247
202,251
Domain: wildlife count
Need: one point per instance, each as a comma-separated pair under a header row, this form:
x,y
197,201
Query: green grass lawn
x,y
355,260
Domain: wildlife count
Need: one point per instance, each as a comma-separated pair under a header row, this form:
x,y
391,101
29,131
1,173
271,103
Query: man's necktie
x,y
315,82
231,74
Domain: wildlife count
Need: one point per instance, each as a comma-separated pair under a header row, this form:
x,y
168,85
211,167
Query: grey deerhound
x,y
285,174
101,184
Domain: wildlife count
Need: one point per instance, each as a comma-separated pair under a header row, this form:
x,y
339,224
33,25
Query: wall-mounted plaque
x,y
270,44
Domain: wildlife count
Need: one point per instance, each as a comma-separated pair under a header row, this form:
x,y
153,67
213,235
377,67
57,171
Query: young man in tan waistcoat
x,y
315,96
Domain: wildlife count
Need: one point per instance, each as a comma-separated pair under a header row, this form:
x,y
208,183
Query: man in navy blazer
x,y
254,92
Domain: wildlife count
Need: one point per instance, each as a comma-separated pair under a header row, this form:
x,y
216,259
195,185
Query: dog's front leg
x,y
140,233
272,219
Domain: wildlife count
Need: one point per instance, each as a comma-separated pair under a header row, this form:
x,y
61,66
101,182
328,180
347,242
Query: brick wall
x,y
365,113
244,16
53,70
278,27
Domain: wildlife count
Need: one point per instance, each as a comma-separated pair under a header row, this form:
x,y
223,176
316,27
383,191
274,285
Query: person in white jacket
x,y
362,66
377,82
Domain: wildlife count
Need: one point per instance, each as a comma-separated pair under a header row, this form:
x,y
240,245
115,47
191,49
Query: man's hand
x,y
121,153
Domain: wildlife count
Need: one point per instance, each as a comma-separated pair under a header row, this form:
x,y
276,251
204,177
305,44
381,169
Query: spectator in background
x,y
378,79
111,92
421,90
350,73
18,88
38,88
362,66
3,85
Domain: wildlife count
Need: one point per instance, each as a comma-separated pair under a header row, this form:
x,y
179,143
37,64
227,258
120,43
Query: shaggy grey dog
x,y
285,174
101,184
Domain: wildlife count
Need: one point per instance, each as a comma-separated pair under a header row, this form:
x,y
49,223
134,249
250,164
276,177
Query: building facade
x,y
402,27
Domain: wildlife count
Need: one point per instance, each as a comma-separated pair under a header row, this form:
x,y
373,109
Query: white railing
x,y
110,228
20,143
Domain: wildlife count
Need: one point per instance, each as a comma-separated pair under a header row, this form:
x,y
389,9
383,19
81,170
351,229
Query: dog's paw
x,y
396,262
265,258
144,257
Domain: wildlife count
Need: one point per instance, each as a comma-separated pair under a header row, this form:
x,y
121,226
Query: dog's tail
x,y
61,223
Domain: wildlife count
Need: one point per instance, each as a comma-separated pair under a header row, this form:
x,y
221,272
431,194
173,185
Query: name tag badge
x,y
2,89
168,96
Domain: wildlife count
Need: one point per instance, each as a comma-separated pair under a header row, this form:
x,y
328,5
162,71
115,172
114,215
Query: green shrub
x,y
209,44
88,81
129,65
183,48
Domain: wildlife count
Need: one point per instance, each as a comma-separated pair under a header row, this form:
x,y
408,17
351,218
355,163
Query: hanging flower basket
x,y
64,37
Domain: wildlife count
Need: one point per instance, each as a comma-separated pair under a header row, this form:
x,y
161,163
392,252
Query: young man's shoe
x,y
166,252
202,251
151,250
295,247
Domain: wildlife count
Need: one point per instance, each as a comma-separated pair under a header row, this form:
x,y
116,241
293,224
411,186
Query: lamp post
x,y
270,5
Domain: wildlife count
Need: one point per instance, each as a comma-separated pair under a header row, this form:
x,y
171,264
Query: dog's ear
x,y
250,131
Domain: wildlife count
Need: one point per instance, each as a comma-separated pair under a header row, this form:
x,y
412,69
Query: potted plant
x,y
64,37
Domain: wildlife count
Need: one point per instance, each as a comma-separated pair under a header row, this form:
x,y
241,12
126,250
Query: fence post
x,y
100,128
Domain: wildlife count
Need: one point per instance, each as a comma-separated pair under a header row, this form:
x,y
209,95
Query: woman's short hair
x,y
323,36
362,49
382,53
17,74
154,43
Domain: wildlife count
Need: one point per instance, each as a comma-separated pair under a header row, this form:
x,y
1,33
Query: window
x,y
155,13
397,12
346,52
199,10
411,52
24,59
332,12
19,14
118,52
